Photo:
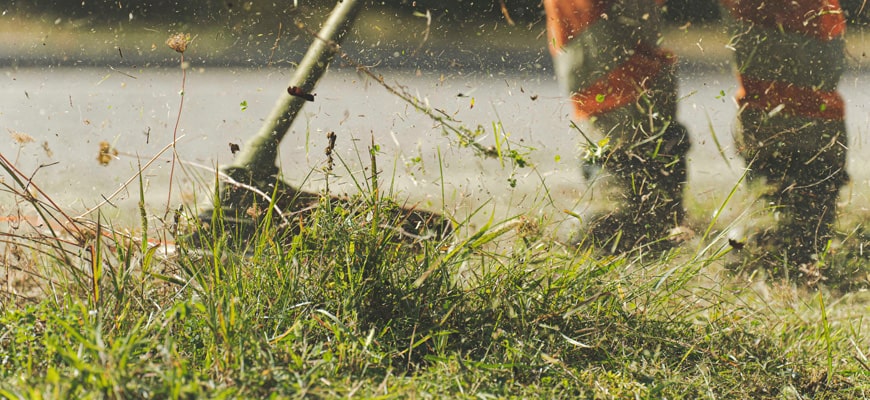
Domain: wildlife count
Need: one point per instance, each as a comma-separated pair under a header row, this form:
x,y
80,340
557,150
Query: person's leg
x,y
793,137
606,55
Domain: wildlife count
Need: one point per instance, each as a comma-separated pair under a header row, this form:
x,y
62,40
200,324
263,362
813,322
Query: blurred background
x,y
78,73
402,33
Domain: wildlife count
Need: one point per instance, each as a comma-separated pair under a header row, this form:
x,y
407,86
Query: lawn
x,y
342,300
340,306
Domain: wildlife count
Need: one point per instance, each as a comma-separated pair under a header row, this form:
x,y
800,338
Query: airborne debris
x,y
330,136
107,153
47,149
737,245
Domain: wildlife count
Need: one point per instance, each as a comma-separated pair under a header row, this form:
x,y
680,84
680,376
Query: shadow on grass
x,y
346,304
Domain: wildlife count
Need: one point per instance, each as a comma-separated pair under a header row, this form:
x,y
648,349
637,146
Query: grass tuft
x,y
348,304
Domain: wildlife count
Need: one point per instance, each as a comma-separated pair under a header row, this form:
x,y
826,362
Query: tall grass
x,y
348,297
347,306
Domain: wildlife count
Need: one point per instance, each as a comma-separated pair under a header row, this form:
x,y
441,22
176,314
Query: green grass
x,y
344,308
343,304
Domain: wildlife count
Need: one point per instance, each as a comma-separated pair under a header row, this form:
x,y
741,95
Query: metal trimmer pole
x,y
258,157
238,208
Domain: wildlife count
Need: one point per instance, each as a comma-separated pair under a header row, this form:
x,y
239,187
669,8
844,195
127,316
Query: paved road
x,y
68,112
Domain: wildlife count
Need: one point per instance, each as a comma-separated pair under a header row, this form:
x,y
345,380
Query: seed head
x,y
178,42
20,137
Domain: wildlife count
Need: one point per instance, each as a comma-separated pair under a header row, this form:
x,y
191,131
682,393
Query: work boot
x,y
643,178
800,165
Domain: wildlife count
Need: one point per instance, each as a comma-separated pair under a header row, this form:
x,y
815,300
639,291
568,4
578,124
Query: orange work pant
x,y
789,53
